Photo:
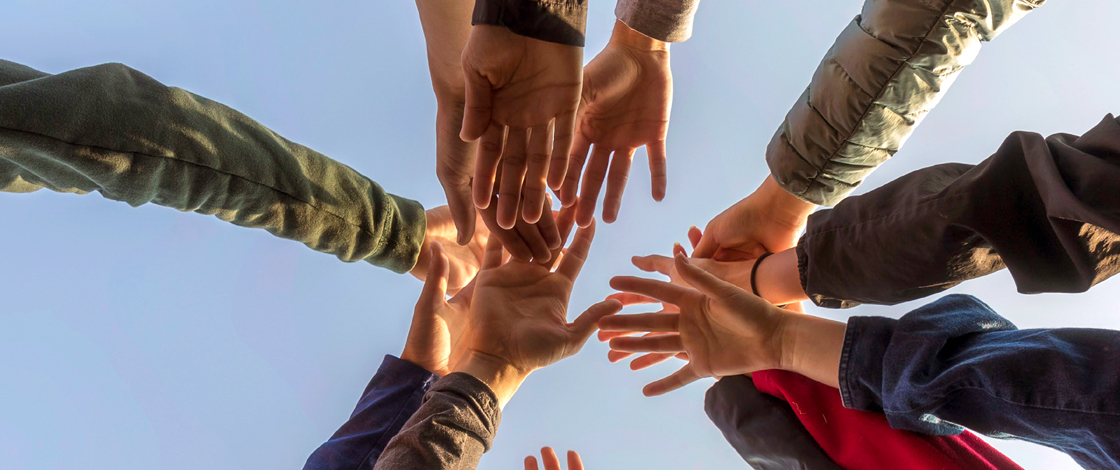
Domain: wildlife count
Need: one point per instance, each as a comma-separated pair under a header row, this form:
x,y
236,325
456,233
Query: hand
x,y
627,95
464,261
552,462
519,318
723,329
521,101
435,339
767,221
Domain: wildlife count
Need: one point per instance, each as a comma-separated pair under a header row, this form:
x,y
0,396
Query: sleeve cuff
x,y
663,20
557,21
861,362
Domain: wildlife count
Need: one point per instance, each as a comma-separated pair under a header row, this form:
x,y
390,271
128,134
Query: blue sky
x,y
147,338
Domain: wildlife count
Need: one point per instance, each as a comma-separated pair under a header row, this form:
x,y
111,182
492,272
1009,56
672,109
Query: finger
x,y
547,225
513,174
616,356
662,291
608,335
435,284
593,178
703,281
535,187
492,257
657,344
649,360
561,149
707,246
570,189
551,461
531,463
616,184
629,299
510,239
678,249
694,236
577,253
676,380
652,322
574,462
477,106
653,263
588,321
534,239
659,178
486,165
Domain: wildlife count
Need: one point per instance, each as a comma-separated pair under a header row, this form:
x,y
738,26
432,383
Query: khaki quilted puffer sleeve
x,y
886,70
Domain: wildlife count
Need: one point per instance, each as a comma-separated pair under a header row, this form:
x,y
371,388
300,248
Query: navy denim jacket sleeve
x,y
390,399
955,363
761,428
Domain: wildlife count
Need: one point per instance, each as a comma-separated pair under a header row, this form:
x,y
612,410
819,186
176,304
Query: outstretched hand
x,y
626,99
552,462
435,339
521,100
723,330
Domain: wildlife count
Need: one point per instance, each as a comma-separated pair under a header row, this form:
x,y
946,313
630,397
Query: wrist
x,y
778,280
424,257
500,375
624,35
811,346
786,208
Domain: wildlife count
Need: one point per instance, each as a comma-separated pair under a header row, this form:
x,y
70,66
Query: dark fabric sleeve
x,y
452,429
114,130
1047,209
957,363
762,428
390,399
558,21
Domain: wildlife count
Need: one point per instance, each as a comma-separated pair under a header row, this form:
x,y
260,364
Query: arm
x,y
663,20
391,397
114,130
1045,209
957,363
763,429
886,71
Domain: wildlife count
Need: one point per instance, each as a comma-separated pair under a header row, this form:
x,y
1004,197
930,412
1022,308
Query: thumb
x,y
588,321
701,280
477,106
706,247
435,284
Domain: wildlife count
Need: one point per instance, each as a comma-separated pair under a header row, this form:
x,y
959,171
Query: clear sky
x,y
147,338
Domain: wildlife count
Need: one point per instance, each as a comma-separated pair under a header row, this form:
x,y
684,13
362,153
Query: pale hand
x,y
464,261
552,462
724,330
521,100
439,326
767,221
626,99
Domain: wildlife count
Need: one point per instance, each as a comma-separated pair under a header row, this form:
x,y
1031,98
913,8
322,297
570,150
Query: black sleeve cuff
x,y
558,21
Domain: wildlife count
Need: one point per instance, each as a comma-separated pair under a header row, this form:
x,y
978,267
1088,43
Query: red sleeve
x,y
858,440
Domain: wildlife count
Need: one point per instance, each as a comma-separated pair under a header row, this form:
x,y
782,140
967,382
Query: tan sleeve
x,y
664,20
884,73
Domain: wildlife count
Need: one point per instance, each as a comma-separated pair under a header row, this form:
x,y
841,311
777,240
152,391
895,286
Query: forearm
x,y
886,71
663,20
1043,208
451,430
557,21
447,25
117,131
392,396
956,362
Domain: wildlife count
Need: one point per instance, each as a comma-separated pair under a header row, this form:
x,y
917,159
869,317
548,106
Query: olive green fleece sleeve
x,y
114,130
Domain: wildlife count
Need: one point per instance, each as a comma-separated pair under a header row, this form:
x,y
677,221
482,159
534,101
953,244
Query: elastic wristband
x,y
754,270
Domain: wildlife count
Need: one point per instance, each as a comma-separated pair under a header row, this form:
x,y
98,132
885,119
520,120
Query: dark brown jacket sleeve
x,y
452,429
559,21
1047,209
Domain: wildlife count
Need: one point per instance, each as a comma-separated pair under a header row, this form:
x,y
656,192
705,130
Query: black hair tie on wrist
x,y
754,270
